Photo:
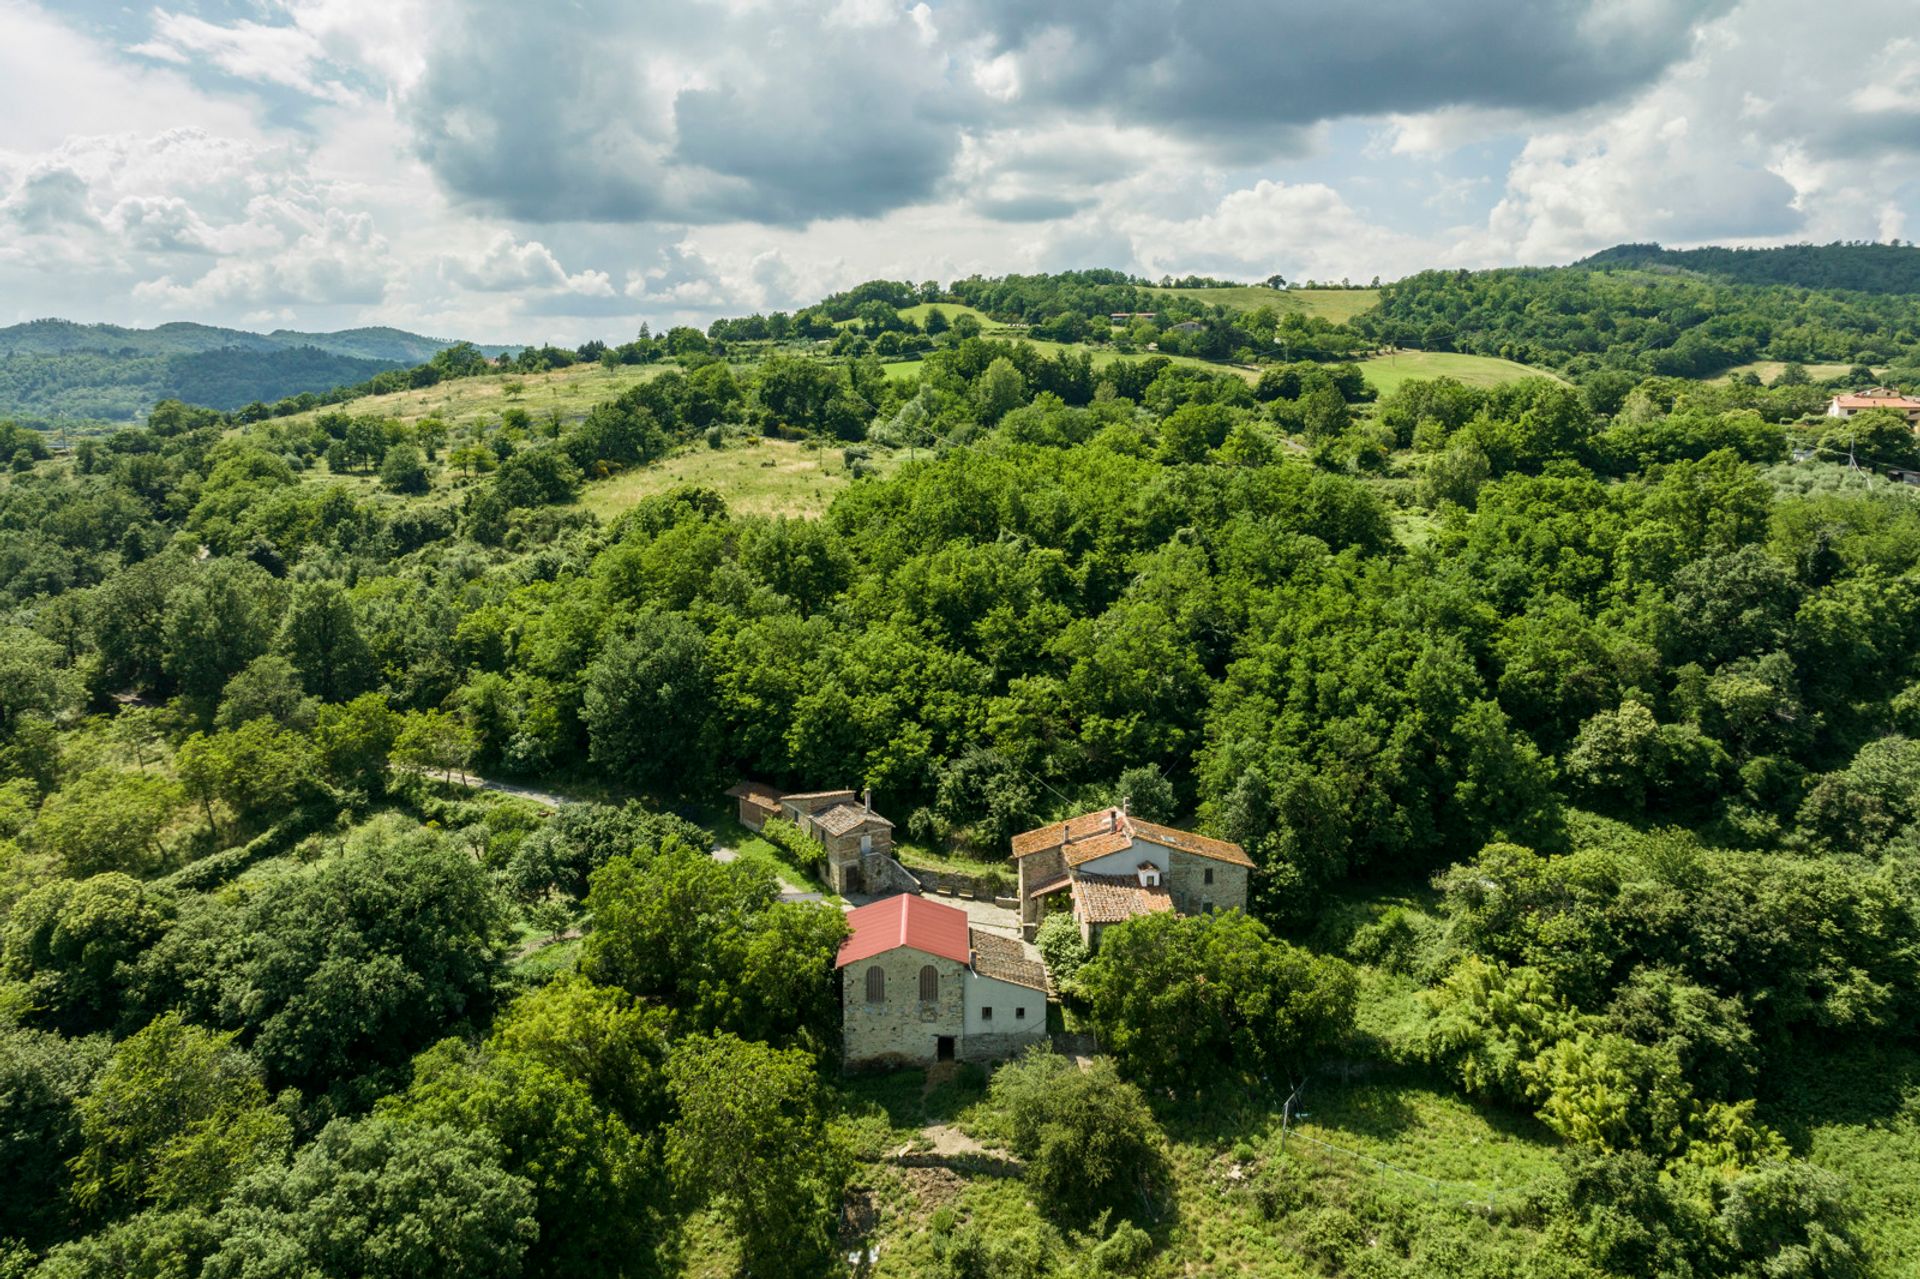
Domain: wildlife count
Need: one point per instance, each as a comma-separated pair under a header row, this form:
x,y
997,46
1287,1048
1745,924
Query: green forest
x,y
1572,724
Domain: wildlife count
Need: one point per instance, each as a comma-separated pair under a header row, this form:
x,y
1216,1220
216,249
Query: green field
x,y
1767,370
1338,305
572,391
757,477
1386,372
917,315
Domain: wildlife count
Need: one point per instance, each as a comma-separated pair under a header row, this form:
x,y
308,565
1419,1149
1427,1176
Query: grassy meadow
x,y
757,476
1768,370
1385,373
1237,1201
1338,305
571,391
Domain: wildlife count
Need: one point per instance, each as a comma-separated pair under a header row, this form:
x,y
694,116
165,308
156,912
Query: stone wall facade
x,y
1192,894
1040,868
900,1029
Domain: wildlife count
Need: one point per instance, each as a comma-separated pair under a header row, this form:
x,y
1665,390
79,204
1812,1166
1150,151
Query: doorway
x,y
943,1048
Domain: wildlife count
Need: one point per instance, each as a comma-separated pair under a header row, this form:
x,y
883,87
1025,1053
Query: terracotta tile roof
x,y
1052,886
1108,899
1108,830
1186,841
1003,958
842,818
1072,830
759,794
905,920
818,794
1900,402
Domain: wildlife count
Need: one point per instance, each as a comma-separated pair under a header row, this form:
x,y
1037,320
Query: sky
x,y
507,170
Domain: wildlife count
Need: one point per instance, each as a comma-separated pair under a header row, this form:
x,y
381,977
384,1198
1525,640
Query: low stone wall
x,y
885,875
947,883
1002,1045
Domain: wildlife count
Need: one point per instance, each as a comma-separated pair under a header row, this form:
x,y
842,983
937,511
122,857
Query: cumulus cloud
x,y
1223,69
507,265
487,167
781,114
338,260
1730,147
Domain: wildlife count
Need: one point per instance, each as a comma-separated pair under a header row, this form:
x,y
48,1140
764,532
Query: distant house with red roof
x,y
1876,397
1109,866
919,983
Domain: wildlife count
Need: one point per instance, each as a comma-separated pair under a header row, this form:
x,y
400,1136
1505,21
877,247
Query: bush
x,y
1124,1252
1089,1141
806,851
1059,942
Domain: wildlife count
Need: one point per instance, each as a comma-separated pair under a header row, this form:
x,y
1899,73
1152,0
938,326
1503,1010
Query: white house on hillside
x,y
1875,397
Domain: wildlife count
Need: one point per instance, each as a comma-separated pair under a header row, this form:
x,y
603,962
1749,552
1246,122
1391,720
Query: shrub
x,y
807,852
1059,942
1088,1138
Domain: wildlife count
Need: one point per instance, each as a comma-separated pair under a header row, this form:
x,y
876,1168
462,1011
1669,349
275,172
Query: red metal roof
x,y
906,920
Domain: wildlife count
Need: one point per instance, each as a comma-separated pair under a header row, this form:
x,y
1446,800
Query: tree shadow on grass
x,y
908,1101
1809,1086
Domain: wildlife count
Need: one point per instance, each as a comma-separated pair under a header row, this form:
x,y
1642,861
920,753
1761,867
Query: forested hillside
x,y
1571,730
1861,268
1581,320
55,371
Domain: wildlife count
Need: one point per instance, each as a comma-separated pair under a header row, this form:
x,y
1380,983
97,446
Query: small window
x,y
876,985
1206,906
986,1014
1020,1013
1206,876
929,984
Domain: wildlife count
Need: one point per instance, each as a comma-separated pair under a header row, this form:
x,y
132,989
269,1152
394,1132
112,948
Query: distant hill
x,y
59,371
1862,268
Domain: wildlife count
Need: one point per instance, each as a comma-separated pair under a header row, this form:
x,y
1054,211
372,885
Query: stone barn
x,y
920,984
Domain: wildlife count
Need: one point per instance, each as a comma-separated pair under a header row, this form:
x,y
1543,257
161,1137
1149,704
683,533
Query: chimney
x,y
866,799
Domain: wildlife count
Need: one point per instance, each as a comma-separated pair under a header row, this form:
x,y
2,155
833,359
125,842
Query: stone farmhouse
x,y
859,841
919,983
1877,397
1109,866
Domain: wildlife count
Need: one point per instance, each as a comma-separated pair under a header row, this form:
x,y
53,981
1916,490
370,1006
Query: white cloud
x,y
1756,138
339,260
492,169
268,54
508,265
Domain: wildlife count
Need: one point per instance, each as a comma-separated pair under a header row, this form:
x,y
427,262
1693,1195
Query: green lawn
x,y
1386,372
1338,305
757,476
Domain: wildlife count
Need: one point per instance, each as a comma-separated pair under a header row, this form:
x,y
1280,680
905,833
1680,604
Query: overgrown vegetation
x,y
1570,726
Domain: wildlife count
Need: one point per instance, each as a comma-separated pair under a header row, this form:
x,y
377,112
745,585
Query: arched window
x,y
876,985
929,984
